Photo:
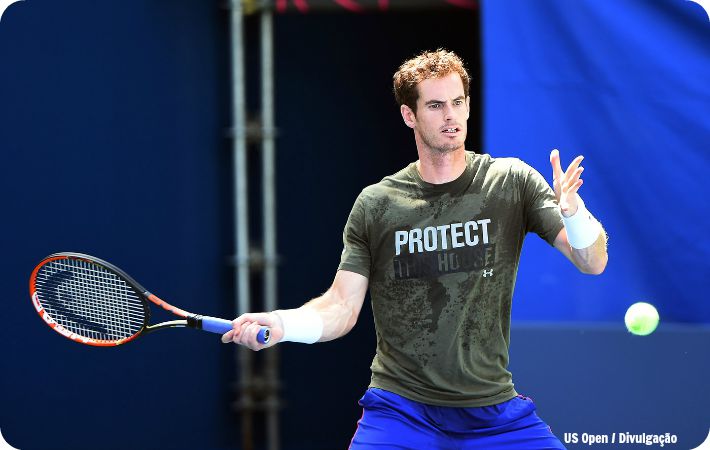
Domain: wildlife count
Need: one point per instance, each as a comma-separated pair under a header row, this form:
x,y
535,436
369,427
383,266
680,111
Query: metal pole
x,y
268,158
241,209
269,219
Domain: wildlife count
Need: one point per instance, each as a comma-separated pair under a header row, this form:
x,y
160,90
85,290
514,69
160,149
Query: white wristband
x,y
582,229
300,325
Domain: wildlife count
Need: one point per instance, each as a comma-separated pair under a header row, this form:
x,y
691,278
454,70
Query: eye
x,y
435,106
458,102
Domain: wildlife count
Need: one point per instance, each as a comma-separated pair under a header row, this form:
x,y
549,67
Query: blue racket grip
x,y
221,326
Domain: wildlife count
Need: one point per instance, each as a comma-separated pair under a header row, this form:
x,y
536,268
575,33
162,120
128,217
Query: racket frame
x,y
188,319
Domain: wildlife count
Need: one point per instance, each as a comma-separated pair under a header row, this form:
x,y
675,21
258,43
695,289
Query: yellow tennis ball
x,y
641,318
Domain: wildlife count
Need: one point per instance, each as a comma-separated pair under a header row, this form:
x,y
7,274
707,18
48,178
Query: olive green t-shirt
x,y
441,260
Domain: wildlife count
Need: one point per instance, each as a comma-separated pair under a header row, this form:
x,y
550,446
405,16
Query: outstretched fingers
x,y
567,183
573,182
556,167
572,168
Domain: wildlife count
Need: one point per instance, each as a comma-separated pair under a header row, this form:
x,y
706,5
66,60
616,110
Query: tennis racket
x,y
93,302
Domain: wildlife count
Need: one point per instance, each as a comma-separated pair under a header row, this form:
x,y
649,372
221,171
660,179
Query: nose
x,y
448,112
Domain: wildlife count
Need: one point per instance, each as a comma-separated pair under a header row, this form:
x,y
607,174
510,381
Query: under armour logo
x,y
487,273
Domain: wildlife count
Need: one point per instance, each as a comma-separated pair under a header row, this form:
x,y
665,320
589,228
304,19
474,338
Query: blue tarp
x,y
626,83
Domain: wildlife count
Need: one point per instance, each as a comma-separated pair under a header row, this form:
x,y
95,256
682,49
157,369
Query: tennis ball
x,y
641,318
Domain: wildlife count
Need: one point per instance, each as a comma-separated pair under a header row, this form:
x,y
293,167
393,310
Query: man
x,y
438,244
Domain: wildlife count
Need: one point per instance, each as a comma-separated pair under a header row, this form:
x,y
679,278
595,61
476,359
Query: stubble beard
x,y
440,149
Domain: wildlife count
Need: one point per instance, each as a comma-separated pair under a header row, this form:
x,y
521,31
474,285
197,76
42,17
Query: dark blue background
x,y
112,128
114,142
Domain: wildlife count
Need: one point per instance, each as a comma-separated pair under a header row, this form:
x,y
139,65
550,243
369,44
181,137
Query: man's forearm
x,y
592,260
338,318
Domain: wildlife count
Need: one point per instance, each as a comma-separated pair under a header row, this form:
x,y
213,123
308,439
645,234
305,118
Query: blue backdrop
x,y
627,84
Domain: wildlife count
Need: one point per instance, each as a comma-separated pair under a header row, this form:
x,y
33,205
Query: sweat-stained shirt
x,y
441,260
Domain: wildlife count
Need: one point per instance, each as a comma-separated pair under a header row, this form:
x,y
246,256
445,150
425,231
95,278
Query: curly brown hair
x,y
428,64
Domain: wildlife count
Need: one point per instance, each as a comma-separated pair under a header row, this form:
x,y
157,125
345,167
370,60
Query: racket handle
x,y
216,325
264,335
221,326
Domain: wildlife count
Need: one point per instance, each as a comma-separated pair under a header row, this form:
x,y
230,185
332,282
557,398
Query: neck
x,y
438,168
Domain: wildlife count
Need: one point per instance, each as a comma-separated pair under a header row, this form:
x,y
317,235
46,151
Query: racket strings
x,y
90,300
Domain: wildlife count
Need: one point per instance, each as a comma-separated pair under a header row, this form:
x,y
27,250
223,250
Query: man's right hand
x,y
247,326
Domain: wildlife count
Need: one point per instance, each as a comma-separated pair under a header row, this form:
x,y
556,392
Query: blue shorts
x,y
390,421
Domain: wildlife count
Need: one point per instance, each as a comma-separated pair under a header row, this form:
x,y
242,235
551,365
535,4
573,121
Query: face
x,y
442,111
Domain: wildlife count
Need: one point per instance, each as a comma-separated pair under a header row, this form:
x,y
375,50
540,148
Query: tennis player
x,y
438,244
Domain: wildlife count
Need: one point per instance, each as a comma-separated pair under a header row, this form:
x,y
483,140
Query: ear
x,y
410,119
468,107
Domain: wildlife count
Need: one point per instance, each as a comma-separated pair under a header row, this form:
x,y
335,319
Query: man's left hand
x,y
566,184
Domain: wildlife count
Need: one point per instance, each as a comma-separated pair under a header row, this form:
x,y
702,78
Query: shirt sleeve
x,y
542,212
356,246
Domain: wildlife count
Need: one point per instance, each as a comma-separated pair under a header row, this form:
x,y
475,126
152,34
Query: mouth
x,y
450,130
